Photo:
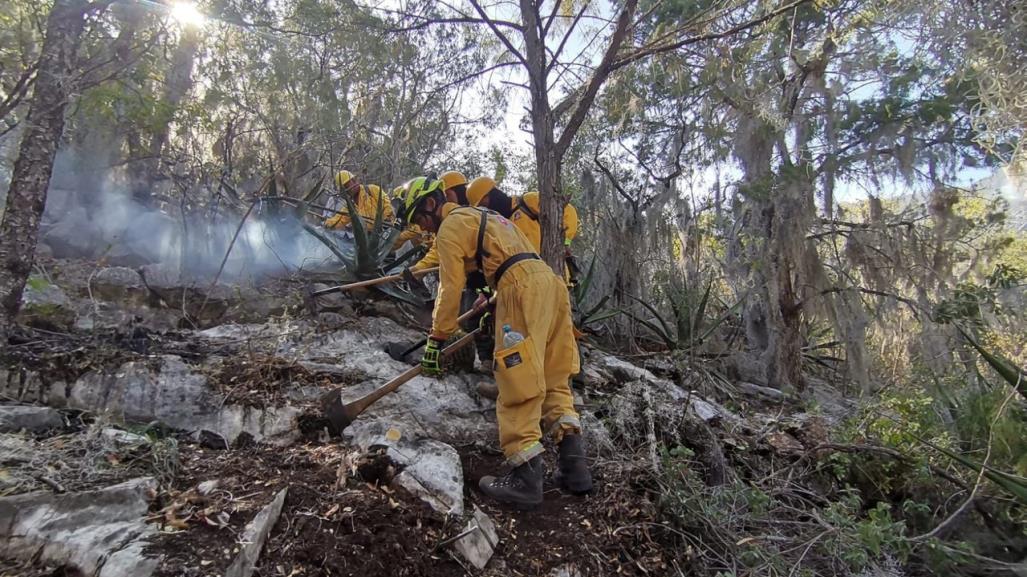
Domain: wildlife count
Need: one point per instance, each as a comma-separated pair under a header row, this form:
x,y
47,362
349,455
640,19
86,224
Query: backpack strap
x,y
481,253
523,207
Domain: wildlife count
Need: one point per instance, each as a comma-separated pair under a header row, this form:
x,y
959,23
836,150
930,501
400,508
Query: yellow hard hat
x,y
478,188
341,178
399,192
452,178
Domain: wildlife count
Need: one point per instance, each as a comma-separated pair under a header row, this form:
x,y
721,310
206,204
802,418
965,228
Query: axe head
x,y
400,351
309,300
338,413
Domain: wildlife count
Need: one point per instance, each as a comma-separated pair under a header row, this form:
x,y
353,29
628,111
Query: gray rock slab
x,y
442,409
432,469
15,418
760,391
254,536
433,473
98,532
164,389
619,369
117,282
479,540
123,439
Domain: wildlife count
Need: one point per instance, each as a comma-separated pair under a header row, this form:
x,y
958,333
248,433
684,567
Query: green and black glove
x,y
431,360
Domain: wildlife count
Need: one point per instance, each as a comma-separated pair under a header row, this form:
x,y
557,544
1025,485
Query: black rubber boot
x,y
572,474
521,488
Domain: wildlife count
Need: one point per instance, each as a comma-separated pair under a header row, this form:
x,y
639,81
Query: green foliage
x,y
364,257
859,538
765,531
1014,376
584,315
692,324
37,283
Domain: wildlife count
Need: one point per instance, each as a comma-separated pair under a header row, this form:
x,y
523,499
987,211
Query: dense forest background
x,y
789,193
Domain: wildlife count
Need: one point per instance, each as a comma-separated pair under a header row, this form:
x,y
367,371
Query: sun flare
x,y
187,14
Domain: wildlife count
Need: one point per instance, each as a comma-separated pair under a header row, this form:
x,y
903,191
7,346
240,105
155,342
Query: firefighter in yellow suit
x,y
366,198
523,211
533,374
454,186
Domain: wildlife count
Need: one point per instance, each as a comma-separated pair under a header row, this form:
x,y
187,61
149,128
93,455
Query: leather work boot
x,y
488,390
572,474
521,488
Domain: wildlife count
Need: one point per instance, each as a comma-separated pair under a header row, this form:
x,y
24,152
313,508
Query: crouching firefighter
x,y
533,374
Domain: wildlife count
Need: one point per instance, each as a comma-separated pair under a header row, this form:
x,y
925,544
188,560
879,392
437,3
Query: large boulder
x,y
74,235
45,305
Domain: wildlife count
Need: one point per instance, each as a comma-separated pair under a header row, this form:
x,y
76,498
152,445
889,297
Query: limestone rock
x,y
161,389
14,418
479,540
254,536
118,283
432,469
619,369
45,304
98,532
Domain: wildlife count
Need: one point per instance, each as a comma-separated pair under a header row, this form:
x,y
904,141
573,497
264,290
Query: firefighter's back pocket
x,y
518,373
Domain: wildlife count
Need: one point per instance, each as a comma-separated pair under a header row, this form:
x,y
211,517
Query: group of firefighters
x,y
485,242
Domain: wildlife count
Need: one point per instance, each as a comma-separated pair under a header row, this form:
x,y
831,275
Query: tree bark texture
x,y
26,198
547,160
549,151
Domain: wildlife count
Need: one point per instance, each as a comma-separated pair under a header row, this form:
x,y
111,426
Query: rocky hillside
x,y
152,426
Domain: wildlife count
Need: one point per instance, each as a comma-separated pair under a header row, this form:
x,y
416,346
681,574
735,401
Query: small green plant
x,y
859,539
37,284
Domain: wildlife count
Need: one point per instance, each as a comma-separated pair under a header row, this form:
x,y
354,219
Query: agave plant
x,y
691,326
366,255
596,314
1012,374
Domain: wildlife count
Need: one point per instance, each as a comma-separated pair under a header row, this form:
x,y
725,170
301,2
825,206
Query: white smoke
x,y
91,213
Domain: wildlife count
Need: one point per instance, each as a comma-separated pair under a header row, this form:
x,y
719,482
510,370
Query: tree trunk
x,y
547,160
26,197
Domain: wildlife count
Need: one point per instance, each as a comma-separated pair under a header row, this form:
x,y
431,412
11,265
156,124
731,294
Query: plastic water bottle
x,y
511,337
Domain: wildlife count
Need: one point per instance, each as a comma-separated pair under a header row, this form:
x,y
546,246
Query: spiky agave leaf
x,y
1013,484
1012,374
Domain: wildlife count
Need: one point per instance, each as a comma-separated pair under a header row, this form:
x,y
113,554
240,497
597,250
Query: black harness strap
x,y
523,206
512,261
481,253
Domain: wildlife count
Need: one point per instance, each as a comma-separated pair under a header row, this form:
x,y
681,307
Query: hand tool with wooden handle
x,y
371,282
340,414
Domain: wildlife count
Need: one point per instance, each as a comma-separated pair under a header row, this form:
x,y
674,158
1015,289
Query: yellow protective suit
x,y
416,235
533,375
367,206
430,258
525,215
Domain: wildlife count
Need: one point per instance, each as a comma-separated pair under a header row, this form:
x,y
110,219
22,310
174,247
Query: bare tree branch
x,y
606,66
499,33
567,35
651,50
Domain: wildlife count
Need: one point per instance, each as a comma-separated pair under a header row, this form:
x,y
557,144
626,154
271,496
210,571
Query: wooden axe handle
x,y
372,282
361,404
